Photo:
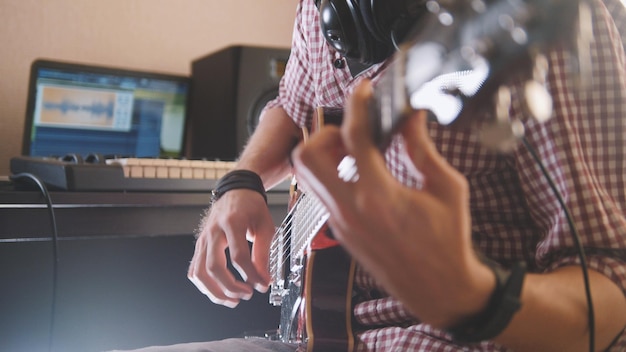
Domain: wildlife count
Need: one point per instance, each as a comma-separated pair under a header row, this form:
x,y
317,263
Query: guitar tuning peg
x,y
537,101
479,6
444,16
433,6
584,38
503,133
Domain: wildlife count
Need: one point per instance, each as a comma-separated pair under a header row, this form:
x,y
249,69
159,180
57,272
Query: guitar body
x,y
328,299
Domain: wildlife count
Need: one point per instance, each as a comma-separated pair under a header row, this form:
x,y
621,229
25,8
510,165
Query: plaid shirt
x,y
515,215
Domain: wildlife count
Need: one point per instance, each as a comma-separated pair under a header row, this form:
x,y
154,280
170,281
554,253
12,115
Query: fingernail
x,y
260,287
230,304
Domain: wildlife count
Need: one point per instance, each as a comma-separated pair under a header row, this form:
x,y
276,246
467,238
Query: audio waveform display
x,y
59,106
94,108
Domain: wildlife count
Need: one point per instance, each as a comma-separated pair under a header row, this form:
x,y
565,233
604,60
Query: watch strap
x,y
503,304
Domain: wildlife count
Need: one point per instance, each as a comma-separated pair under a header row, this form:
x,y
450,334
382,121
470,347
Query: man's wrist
x,y
500,309
238,179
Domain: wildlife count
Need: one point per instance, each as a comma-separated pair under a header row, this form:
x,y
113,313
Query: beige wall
x,y
159,35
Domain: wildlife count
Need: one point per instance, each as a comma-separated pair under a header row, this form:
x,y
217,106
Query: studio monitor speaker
x,y
230,87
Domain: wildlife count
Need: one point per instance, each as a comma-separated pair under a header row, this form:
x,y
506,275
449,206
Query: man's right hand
x,y
239,216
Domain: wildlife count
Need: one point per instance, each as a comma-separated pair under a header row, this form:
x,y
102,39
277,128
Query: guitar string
x,y
315,210
317,216
280,239
278,262
285,226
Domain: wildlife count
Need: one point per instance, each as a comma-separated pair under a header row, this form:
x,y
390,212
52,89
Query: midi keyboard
x,y
124,174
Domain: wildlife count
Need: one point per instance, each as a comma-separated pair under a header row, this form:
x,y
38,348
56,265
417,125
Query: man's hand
x,y
242,215
239,216
417,243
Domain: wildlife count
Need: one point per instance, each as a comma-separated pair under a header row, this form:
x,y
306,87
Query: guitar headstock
x,y
460,58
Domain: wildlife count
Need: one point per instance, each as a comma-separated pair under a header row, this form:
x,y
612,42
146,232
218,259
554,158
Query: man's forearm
x,y
553,316
267,152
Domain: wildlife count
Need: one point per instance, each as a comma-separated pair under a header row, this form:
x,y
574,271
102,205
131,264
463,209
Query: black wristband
x,y
238,179
503,304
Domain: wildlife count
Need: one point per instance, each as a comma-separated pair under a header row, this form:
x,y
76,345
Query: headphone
x,y
367,31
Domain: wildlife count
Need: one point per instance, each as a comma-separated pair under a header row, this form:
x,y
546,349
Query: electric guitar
x,y
456,65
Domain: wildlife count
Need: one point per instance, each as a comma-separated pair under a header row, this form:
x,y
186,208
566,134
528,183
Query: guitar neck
x,y
292,238
308,218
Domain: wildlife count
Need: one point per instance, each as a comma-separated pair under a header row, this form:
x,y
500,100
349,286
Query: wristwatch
x,y
502,306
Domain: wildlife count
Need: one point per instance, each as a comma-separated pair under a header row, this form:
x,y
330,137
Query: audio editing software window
x,y
83,109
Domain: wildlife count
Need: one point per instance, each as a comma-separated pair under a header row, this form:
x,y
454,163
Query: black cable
x,y
55,248
576,237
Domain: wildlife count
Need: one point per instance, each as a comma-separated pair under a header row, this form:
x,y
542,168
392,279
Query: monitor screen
x,y
84,109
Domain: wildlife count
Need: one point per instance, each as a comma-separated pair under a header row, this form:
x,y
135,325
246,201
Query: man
x,y
414,218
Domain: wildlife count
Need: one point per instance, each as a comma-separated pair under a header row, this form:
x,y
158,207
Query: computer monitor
x,y
85,109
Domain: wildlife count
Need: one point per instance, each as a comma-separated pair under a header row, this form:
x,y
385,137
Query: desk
x,y
122,267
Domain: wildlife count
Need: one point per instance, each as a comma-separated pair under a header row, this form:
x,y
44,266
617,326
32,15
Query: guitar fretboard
x,y
291,240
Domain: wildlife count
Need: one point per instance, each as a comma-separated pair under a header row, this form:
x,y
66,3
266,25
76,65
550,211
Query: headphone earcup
x,y
370,20
391,20
344,27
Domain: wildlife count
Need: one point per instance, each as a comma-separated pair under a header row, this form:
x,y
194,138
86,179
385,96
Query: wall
x,y
159,35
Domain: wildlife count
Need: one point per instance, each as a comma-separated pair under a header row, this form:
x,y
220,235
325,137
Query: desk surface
x,y
24,214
